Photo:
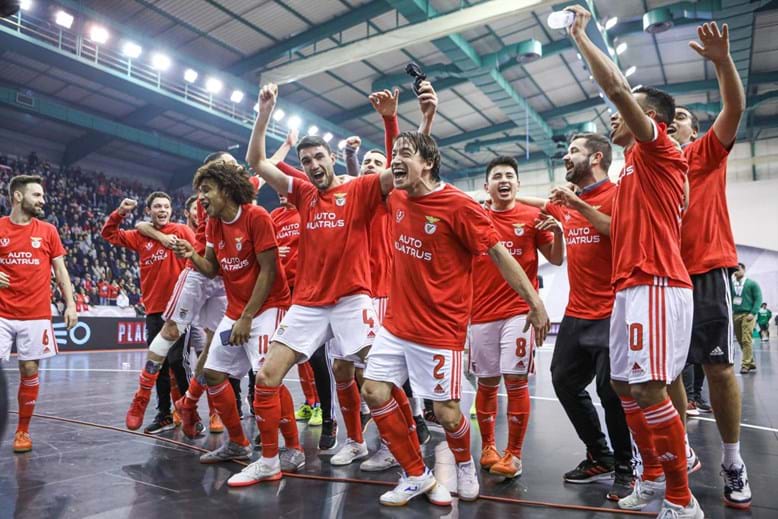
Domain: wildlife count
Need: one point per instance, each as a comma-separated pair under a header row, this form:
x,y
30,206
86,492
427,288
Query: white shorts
x,y
237,360
196,299
351,323
651,328
501,347
435,373
34,339
379,303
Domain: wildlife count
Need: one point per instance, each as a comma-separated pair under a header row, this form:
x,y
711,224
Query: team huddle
x,y
430,273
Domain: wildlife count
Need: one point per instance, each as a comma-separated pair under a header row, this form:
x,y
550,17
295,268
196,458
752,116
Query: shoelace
x,y
734,478
668,513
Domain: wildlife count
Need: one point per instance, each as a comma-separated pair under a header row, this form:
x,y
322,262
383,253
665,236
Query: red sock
x,y
224,400
195,391
405,406
211,406
486,410
288,423
394,432
175,393
148,379
459,441
348,397
267,408
518,415
668,434
28,394
308,383
636,421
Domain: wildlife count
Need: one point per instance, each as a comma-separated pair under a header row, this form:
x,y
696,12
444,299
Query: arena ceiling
x,y
492,99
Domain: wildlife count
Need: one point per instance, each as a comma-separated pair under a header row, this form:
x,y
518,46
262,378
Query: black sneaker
x,y
422,432
329,435
161,423
431,419
258,442
623,483
590,470
702,405
365,419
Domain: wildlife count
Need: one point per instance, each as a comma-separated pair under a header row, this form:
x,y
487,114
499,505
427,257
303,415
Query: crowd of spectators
x,y
77,203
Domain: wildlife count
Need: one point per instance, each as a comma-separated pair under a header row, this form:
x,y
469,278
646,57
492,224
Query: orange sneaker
x,y
509,466
489,456
216,426
176,418
22,442
134,418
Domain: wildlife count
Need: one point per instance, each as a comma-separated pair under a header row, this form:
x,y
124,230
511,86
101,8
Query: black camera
x,y
413,70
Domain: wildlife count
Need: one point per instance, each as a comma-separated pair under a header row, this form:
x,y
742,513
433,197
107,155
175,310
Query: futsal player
x,y
30,249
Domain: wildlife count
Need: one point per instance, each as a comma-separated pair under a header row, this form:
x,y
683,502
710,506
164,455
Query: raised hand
x,y
428,99
713,44
268,95
385,102
354,142
292,136
127,206
582,17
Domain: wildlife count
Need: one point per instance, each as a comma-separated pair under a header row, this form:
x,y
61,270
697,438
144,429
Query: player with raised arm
x,y
241,244
436,231
331,300
708,250
652,314
500,344
29,249
159,270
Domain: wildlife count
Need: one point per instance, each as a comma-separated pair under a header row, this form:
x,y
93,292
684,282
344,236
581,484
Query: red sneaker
x,y
137,409
190,419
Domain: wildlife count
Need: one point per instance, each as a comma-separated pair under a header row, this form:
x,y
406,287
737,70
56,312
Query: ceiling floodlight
x,y
64,19
190,75
278,115
611,23
237,96
131,50
160,62
98,34
327,137
213,85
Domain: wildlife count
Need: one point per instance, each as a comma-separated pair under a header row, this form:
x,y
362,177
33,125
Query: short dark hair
x,y
19,183
214,156
312,141
502,160
695,121
189,201
427,148
232,179
376,150
742,266
597,143
157,194
662,103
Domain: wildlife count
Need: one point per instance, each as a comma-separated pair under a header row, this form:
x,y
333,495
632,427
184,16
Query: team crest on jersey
x,y
221,244
518,229
399,216
431,226
340,199
567,217
36,242
149,245
239,243
4,242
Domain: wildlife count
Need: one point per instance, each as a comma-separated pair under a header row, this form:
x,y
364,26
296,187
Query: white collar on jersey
x,y
240,209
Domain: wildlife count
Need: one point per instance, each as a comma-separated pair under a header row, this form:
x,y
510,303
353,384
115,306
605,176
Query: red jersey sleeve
x,y
262,231
474,228
300,190
661,145
369,189
706,153
255,181
543,237
209,234
55,244
183,231
555,210
293,172
116,236
391,130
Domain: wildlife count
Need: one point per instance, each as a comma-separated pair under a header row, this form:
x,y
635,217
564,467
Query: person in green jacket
x,y
763,320
746,300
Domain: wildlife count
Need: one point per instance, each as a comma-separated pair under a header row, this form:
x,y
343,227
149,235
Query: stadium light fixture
x,y
237,96
342,144
131,50
213,85
190,75
278,115
294,122
160,62
313,130
611,23
256,107
621,48
98,34
611,51
631,70
63,19
327,137
25,5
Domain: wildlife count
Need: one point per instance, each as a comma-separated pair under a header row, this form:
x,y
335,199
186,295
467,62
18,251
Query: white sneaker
x,y
673,511
737,491
644,493
350,453
409,487
260,470
693,463
439,495
467,481
381,460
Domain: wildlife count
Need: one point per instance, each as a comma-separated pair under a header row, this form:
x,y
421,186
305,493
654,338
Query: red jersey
x,y
588,254
334,247
103,288
159,267
646,224
493,298
435,238
236,245
380,251
26,254
706,235
286,221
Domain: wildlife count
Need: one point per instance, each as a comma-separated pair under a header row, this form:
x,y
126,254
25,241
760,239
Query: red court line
x,y
330,479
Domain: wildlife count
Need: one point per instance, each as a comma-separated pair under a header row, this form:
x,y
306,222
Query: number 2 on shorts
x,y
440,361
